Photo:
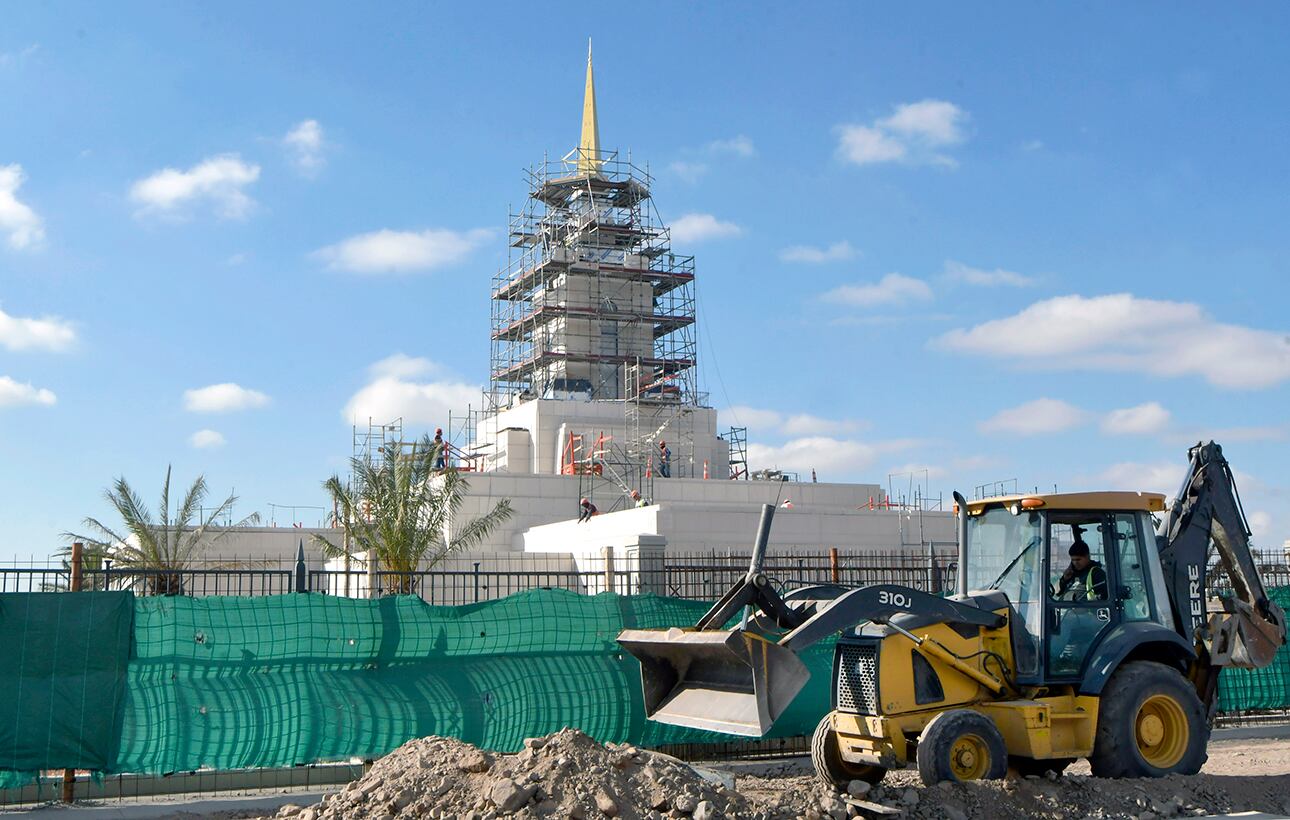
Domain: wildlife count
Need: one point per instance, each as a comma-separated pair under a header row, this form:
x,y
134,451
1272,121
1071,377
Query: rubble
x,y
567,774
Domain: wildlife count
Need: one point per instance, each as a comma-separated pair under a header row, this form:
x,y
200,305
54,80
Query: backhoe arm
x,y
1208,510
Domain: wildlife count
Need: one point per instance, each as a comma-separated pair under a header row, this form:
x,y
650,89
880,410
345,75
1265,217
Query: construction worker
x,y
585,510
438,448
637,501
1084,579
664,459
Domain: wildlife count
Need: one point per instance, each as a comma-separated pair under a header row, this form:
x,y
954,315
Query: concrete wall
x,y
273,543
696,514
549,422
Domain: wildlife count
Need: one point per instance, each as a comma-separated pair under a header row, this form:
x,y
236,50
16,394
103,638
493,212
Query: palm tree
x,y
159,549
401,512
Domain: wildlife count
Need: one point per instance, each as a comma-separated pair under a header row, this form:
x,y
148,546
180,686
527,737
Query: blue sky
x,y
1035,242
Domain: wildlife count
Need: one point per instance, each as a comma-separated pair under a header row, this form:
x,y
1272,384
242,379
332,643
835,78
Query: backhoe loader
x,y
1075,631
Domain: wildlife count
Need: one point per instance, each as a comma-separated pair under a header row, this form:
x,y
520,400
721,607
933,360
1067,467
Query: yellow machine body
x,y
1053,723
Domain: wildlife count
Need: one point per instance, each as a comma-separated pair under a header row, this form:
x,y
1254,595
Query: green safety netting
x,y
62,678
280,680
1268,688
230,682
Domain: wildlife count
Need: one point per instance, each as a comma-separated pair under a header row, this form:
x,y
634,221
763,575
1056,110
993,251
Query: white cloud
x,y
1034,418
219,180
206,439
14,394
22,225
959,272
1161,477
763,422
305,145
1125,333
744,416
1260,523
45,333
392,394
402,366
698,227
825,454
223,398
804,424
387,251
936,121
820,453
837,252
690,172
1143,418
914,134
740,146
862,145
892,289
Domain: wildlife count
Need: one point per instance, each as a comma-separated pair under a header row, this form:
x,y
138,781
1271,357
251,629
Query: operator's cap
x,y
1078,548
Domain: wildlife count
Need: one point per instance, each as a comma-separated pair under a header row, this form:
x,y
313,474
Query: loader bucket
x,y
733,681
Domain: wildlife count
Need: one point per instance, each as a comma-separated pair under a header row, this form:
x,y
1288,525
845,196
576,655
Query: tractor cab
x,y
1076,568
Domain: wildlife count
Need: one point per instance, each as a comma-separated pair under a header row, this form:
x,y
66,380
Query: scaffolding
x,y
594,306
591,286
369,446
738,438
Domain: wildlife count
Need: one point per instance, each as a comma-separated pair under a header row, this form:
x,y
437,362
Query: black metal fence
x,y
466,579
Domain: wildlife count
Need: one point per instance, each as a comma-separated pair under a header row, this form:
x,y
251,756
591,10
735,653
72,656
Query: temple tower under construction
x,y
593,329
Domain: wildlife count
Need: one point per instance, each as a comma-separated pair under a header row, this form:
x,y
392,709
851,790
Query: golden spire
x,y
589,146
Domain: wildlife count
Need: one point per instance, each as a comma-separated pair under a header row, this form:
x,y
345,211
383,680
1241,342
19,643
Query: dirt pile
x,y
566,774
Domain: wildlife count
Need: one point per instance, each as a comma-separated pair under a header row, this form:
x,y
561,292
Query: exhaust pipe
x,y
960,520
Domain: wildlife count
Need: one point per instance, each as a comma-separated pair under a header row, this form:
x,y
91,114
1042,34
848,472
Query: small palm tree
x,y
159,549
401,512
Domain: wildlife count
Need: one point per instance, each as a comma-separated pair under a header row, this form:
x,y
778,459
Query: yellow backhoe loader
x,y
1075,631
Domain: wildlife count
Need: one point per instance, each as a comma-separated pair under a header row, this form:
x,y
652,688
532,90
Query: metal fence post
x,y
608,553
302,573
476,582
77,582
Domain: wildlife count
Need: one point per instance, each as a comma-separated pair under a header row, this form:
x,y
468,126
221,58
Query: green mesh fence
x,y
232,682
287,679
1268,688
62,678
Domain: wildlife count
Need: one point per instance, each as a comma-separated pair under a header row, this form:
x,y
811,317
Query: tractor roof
x,y
1149,502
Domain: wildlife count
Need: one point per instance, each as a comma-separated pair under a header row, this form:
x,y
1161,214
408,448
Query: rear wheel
x,y
961,745
1150,723
1028,766
826,757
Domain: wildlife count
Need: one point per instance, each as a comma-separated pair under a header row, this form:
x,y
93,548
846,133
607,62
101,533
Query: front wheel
x,y
1150,723
961,745
826,757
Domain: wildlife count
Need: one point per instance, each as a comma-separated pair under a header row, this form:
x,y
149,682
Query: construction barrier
x,y
232,682
112,683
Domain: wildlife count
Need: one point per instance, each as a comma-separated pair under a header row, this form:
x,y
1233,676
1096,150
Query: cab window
x,y
1132,593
